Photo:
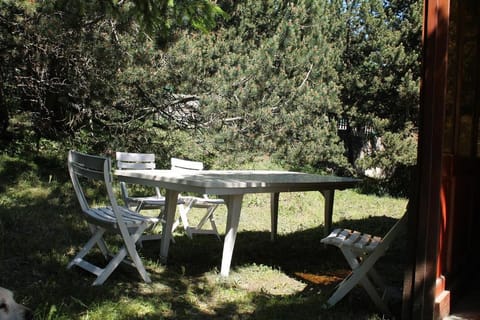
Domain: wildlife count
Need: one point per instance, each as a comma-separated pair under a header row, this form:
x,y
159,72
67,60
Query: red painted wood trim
x,y
425,211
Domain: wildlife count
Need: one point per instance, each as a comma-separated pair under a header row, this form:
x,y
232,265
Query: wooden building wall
x,y
444,217
461,149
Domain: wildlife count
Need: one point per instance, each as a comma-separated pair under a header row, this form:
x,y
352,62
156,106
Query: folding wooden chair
x,y
204,202
112,218
362,252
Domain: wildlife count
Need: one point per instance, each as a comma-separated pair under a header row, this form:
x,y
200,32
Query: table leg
x,y
234,206
171,198
328,195
274,198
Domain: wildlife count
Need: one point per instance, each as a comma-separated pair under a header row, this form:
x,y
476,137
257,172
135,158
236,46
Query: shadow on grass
x,y
37,241
293,252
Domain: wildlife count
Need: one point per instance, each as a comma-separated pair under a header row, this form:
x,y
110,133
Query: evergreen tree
x,y
268,82
318,85
76,69
380,81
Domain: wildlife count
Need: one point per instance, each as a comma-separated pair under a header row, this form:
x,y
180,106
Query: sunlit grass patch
x,y
264,279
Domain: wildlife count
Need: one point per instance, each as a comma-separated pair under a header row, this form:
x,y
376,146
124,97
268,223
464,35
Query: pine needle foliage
x,y
323,86
268,82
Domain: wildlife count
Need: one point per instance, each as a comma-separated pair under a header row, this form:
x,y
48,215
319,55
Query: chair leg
x,y
340,291
133,253
95,239
369,287
359,275
156,235
209,216
377,279
183,210
349,283
111,266
100,242
373,293
214,228
139,207
130,249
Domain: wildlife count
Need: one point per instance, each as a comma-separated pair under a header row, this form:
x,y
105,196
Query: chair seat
x,y
202,202
106,215
140,203
357,241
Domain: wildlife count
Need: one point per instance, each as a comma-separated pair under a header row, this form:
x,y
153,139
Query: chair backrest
x,y
134,161
95,168
185,165
395,231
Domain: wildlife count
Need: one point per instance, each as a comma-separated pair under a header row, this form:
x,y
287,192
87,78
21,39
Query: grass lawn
x,y
41,229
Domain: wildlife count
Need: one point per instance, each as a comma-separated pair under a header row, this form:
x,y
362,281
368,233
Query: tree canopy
x,y
325,86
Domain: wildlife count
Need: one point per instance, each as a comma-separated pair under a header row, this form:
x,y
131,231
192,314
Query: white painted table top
x,y
235,181
232,185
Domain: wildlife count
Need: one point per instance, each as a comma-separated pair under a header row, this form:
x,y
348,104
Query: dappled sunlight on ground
x,y
264,279
327,279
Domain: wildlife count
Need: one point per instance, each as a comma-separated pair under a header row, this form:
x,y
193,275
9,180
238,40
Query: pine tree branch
x,y
306,77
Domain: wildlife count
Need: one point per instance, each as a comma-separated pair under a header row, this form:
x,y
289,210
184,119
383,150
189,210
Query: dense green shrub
x,y
306,83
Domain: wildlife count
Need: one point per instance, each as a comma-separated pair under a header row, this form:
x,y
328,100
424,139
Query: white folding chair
x,y
138,161
204,202
113,218
362,252
142,161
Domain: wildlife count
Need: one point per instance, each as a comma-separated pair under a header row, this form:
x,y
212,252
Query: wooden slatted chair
x,y
101,219
204,202
362,252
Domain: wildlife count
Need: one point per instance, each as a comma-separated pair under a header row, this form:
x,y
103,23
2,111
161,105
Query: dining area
x,y
230,186
292,275
187,185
